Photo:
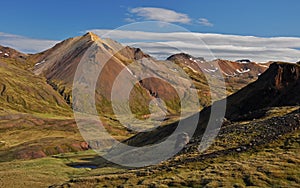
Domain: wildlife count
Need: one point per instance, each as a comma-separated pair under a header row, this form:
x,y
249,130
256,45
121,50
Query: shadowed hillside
x,y
276,87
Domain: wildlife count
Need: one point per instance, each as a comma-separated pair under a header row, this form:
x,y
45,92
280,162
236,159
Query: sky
x,y
32,26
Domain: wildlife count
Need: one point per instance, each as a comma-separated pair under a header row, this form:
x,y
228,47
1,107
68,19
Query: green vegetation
x,y
270,159
22,91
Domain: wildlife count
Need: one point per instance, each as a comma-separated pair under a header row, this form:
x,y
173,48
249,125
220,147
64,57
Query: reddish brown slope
x,y
229,68
60,63
236,75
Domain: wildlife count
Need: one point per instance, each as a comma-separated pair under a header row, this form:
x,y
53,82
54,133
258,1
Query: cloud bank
x,y
231,47
162,45
24,44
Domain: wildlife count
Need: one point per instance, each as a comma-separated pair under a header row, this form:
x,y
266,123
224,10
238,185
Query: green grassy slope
x,y
22,91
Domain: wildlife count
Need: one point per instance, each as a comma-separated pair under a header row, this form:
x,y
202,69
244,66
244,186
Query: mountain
x,y
9,53
228,68
22,91
35,121
257,144
59,65
251,149
236,74
278,86
39,84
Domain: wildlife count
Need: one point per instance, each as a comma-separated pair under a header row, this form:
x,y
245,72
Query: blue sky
x,y
57,20
226,26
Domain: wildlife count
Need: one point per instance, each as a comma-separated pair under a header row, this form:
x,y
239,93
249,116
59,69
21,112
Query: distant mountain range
x,y
256,141
41,84
58,65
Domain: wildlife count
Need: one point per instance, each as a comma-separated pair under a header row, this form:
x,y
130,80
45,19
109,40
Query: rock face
x,y
278,86
287,74
136,53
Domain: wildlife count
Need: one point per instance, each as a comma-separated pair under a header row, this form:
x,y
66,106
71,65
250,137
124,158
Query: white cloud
x,y
205,22
160,14
24,44
161,45
260,54
231,47
130,20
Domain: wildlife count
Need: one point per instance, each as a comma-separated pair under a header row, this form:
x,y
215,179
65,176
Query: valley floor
x,y
261,153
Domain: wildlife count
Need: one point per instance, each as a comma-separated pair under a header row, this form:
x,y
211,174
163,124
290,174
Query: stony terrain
x,y
261,153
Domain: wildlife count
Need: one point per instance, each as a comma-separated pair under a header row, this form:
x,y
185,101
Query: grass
x,y
35,173
26,136
47,171
263,167
273,163
22,91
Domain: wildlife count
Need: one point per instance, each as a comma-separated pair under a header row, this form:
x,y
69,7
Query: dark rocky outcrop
x,y
278,86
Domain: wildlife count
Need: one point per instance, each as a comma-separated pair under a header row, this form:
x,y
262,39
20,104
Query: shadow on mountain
x,y
277,87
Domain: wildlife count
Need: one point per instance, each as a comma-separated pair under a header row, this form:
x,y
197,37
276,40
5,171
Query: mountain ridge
x,y
242,105
56,67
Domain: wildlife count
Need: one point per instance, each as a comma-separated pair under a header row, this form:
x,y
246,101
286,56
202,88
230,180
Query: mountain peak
x,y
184,56
92,36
